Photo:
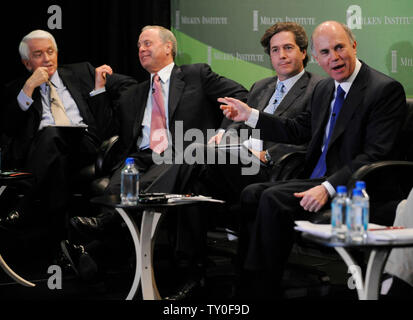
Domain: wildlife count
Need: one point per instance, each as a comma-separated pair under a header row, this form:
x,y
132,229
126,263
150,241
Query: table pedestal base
x,y
368,288
144,244
7,269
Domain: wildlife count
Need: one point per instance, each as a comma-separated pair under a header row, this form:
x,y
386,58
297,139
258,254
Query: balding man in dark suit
x,y
369,108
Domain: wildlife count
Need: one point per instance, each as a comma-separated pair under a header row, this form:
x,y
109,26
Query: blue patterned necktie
x,y
278,96
321,168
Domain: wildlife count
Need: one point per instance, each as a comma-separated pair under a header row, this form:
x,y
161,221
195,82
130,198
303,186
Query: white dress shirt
x,y
345,85
257,144
71,108
165,77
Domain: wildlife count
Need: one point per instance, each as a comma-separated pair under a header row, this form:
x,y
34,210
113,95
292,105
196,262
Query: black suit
x,y
193,93
55,154
365,131
225,181
292,104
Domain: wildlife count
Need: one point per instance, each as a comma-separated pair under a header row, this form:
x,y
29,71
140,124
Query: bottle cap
x,y
357,192
341,189
130,161
360,185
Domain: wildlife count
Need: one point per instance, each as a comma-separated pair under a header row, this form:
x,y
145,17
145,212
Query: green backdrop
x,y
226,33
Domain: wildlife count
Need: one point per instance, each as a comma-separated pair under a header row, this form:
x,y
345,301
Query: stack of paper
x,y
324,230
321,230
391,234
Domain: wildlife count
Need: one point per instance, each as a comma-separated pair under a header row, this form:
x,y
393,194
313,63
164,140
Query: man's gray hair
x,y
166,35
36,34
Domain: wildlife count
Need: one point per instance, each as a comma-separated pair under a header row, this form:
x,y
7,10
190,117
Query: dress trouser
x,y
267,227
221,178
55,156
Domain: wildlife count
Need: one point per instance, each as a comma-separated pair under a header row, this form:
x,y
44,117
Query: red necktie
x,y
159,135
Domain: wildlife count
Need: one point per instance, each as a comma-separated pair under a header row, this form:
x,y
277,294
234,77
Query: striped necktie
x,y
158,136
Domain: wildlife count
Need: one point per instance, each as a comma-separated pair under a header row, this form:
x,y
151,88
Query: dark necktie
x,y
321,168
158,135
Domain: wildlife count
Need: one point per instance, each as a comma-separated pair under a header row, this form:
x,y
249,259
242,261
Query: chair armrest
x,y
380,167
380,189
103,161
288,166
385,180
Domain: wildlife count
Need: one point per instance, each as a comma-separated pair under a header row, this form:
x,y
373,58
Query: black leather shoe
x,y
190,290
91,226
13,219
86,225
80,261
72,253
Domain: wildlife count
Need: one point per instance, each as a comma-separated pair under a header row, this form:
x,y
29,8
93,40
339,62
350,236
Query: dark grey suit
x,y
231,179
292,104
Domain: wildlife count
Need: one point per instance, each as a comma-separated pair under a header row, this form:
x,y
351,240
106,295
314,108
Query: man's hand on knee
x,y
313,199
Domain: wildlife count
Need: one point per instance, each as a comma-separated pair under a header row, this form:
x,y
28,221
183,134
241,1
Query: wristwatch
x,y
268,159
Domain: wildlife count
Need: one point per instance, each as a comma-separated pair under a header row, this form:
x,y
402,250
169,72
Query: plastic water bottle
x,y
338,213
355,228
129,183
366,208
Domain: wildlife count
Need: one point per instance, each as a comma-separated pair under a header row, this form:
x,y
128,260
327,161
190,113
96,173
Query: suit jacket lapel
x,y
351,103
292,95
176,88
266,95
71,83
320,114
138,103
37,102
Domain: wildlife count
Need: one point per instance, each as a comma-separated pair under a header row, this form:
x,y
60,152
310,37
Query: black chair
x,y
388,182
92,180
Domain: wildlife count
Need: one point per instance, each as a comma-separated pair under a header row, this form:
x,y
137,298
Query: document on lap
x,y
81,126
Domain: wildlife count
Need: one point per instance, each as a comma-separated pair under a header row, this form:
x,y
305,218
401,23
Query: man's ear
x,y
169,47
27,65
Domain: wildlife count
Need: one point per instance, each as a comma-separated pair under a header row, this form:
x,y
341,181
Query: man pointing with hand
x,y
353,119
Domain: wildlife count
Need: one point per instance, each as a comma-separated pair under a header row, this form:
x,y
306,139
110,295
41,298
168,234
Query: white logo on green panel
x,y
209,55
177,18
255,20
354,17
394,61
